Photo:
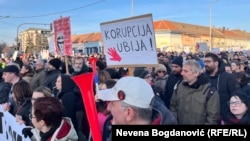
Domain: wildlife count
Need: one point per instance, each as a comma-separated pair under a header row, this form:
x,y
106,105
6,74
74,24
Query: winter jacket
x,y
191,106
4,91
24,109
65,132
70,98
169,87
38,78
161,82
50,79
225,83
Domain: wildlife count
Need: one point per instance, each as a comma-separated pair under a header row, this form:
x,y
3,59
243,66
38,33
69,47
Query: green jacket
x,y
192,106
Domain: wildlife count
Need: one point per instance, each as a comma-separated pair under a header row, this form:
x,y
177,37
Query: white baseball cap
x,y
132,90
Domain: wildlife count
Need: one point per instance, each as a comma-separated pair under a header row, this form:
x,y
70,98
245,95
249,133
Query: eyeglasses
x,y
30,116
161,71
235,103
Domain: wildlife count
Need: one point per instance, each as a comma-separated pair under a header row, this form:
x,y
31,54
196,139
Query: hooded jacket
x,y
65,132
190,105
70,98
225,83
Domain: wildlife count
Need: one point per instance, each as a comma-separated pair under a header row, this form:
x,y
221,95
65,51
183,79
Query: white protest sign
x,y
215,50
129,41
51,42
10,130
202,47
45,54
14,55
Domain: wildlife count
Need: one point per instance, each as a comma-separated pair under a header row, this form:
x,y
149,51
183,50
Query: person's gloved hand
x,y
27,132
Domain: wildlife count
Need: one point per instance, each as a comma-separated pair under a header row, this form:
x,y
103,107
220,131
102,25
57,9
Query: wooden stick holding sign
x,y
66,64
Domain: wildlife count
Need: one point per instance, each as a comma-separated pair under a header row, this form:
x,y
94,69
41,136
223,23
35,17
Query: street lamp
x,y
17,39
210,29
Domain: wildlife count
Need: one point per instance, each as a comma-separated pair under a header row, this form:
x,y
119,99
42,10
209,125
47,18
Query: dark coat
x,y
24,109
70,98
4,91
84,69
225,83
169,87
50,80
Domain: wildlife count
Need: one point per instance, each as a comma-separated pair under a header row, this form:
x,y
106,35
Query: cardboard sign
x,y
51,42
202,47
215,50
129,41
62,36
10,130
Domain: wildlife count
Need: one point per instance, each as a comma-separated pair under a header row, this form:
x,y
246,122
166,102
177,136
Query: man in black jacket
x,y
52,71
224,82
173,78
79,67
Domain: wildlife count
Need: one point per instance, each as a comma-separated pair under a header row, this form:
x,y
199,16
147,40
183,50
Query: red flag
x,y
85,83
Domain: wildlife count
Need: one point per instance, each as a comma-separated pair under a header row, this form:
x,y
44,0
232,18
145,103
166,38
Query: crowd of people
x,y
182,89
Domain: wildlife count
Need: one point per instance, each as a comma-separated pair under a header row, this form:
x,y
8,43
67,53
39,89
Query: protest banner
x,y
51,43
62,36
10,130
130,41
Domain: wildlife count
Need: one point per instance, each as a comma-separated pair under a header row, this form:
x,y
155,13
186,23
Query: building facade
x,y
34,40
175,36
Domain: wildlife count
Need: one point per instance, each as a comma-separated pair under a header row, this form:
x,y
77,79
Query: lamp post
x,y
17,39
210,26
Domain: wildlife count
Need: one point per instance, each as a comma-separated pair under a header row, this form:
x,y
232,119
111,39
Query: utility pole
x,y
210,25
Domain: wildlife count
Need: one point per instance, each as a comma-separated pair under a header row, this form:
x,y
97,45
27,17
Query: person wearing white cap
x,y
130,101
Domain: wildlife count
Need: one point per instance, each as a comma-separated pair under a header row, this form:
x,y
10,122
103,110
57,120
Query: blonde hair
x,y
44,90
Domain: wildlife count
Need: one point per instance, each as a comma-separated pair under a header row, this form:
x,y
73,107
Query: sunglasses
x,y
160,71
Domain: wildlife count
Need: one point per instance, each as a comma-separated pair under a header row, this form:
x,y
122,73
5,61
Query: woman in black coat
x,y
238,110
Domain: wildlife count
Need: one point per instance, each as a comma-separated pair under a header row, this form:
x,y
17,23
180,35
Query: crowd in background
x,y
183,88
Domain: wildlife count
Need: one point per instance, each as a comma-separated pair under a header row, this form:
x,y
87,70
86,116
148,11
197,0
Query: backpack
x,y
210,90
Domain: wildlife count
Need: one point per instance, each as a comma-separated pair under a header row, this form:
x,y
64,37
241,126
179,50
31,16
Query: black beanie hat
x,y
178,61
11,68
55,63
140,72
